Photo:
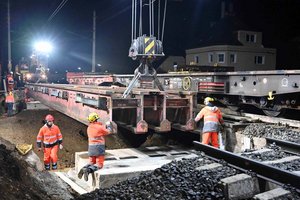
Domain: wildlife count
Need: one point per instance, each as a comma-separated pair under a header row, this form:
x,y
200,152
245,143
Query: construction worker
x,y
96,132
10,100
212,120
10,82
51,137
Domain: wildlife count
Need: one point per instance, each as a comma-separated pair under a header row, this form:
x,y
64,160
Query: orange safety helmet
x,y
49,118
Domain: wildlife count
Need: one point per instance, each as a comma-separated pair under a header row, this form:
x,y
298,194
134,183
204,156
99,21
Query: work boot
x,y
87,171
47,166
81,172
54,166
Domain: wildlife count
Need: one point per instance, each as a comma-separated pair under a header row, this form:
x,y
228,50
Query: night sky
x,y
188,25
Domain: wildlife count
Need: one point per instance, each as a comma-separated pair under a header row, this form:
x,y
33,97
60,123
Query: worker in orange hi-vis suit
x,y
96,132
10,82
51,138
10,100
212,121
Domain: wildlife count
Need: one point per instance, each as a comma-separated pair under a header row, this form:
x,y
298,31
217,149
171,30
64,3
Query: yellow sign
x,y
271,97
149,45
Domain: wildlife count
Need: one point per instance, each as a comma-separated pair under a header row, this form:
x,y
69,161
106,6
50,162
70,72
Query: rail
x,y
264,170
290,146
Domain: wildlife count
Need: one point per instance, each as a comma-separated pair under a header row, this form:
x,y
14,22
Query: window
x,y
259,60
221,57
251,38
196,59
232,57
210,57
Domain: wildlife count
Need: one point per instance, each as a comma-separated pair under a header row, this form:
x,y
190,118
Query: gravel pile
x,y
275,153
276,132
176,180
289,166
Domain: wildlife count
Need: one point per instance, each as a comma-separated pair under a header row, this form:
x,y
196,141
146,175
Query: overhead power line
x,y
57,10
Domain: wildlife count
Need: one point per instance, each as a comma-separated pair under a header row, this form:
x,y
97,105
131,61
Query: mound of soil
x,y
24,127
20,179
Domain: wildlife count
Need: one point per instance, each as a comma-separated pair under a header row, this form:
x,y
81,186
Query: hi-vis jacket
x,y
9,99
96,132
49,136
212,118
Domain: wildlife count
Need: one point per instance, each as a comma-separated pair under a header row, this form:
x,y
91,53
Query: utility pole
x,y
94,43
8,38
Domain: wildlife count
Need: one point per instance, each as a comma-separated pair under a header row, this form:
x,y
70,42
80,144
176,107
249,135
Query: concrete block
x,y
209,166
236,142
259,143
121,164
240,186
246,143
275,194
36,105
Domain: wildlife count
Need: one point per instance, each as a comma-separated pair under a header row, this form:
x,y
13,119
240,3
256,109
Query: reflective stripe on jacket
x,y
49,136
95,132
212,118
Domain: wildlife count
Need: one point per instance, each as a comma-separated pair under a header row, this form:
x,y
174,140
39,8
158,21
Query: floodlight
x,y
43,47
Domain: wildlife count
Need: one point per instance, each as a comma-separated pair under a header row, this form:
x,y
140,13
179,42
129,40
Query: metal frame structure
x,y
270,91
143,109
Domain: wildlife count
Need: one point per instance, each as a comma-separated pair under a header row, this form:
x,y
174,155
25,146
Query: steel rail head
x,y
285,144
264,170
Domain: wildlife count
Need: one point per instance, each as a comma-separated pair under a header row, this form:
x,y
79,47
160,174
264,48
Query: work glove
x,y
108,125
222,127
61,146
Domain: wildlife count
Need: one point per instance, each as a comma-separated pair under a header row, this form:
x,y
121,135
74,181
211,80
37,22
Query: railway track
x,y
206,174
267,164
277,157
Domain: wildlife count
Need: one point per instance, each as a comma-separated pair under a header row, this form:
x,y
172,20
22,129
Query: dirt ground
x,y
24,126
22,177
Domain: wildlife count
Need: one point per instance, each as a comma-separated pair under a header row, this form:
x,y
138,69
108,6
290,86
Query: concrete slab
x,y
276,194
240,186
36,105
121,164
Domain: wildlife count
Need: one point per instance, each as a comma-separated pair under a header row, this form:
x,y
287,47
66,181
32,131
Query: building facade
x,y
247,55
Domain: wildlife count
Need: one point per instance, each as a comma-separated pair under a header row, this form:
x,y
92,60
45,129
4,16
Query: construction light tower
x,y
146,48
40,59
